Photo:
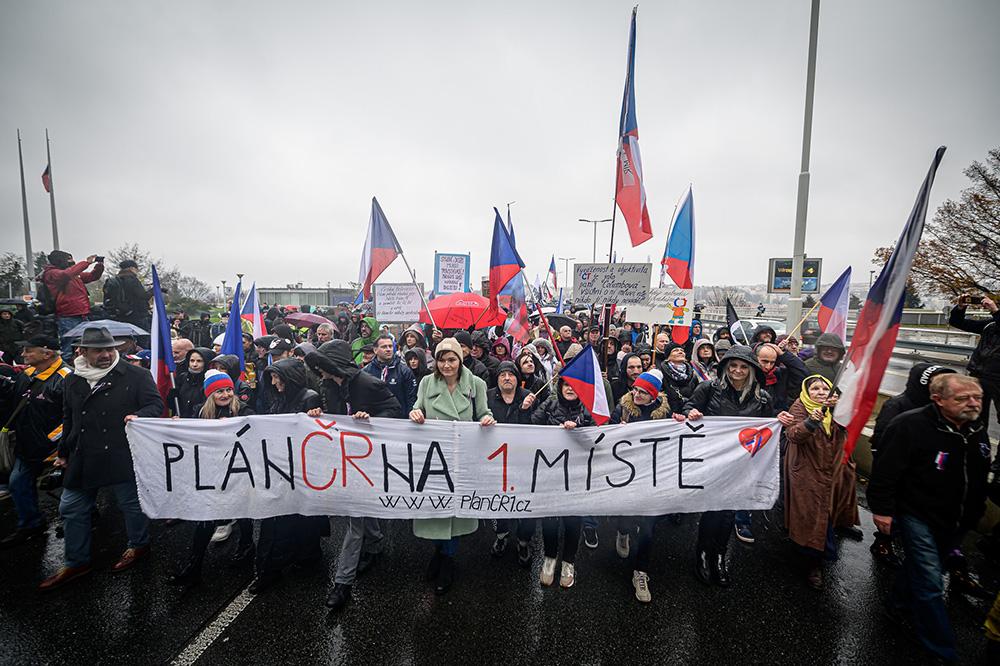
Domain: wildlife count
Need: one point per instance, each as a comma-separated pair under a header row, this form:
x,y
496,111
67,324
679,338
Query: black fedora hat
x,y
97,337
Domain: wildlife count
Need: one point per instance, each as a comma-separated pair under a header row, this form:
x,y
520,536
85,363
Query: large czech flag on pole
x,y
678,255
505,263
583,373
833,306
555,279
232,342
161,355
381,249
878,324
251,313
630,193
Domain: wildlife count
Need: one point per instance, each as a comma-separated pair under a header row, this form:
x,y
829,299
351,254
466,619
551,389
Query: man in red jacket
x,y
67,282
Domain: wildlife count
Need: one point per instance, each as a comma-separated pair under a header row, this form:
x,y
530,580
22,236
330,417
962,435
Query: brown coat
x,y
820,489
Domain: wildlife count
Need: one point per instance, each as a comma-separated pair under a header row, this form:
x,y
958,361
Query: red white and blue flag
x,y
251,313
518,326
583,373
878,323
554,289
232,342
381,249
161,355
678,255
505,263
833,306
630,193
47,178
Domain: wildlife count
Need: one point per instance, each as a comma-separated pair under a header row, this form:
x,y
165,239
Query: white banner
x,y
611,283
261,466
397,302
666,305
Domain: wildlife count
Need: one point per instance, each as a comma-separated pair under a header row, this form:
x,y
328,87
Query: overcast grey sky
x,y
250,137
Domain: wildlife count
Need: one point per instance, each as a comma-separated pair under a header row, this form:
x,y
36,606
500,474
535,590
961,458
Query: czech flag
x,y
251,313
232,343
630,193
555,279
381,249
161,355
583,373
678,255
505,263
518,326
833,306
47,180
878,323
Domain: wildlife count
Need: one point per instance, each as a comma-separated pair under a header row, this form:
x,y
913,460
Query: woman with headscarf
x,y
820,485
531,374
416,361
679,377
704,360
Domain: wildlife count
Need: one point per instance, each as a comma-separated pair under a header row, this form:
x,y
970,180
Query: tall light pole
x,y
794,312
595,223
223,293
566,260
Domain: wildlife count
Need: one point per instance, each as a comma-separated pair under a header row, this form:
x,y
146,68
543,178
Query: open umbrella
x,y
461,310
308,319
118,329
556,321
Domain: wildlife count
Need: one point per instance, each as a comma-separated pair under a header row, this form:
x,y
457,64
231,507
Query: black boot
x,y
244,553
367,561
702,567
434,566
189,576
446,575
339,597
721,570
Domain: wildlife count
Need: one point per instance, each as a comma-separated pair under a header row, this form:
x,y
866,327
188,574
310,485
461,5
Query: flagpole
x,y
29,266
802,321
413,278
52,194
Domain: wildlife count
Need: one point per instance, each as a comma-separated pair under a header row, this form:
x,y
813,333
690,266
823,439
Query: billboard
x,y
779,276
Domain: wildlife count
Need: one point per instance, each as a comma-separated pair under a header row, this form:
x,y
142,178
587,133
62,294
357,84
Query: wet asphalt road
x,y
496,613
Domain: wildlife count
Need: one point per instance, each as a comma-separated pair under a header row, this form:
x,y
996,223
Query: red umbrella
x,y
307,319
461,311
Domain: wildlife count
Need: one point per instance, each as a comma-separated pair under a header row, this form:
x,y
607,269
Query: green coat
x,y
360,342
437,402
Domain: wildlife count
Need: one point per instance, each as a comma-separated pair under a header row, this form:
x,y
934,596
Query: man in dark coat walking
x,y
102,395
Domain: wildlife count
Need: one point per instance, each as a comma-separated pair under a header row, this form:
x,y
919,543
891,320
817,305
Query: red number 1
x,y
501,450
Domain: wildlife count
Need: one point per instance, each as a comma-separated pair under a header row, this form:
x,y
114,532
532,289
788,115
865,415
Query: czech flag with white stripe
x,y
833,306
583,373
161,354
251,313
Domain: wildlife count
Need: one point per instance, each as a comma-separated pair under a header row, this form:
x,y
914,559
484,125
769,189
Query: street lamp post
x,y
595,223
223,293
567,260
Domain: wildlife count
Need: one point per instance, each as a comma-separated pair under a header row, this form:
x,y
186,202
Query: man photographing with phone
x,y
66,280
984,363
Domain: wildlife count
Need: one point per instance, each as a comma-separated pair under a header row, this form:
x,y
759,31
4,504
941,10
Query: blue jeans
x,y
589,522
919,587
24,492
75,507
66,324
743,518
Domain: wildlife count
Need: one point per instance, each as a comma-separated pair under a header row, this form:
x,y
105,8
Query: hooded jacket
x,y
718,398
622,385
190,385
815,366
549,359
489,361
704,370
359,391
985,359
421,343
510,413
231,366
362,340
933,471
68,287
916,394
557,410
760,330
296,397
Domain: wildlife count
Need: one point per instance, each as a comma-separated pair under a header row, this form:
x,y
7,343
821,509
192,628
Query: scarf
x,y
811,404
702,370
771,378
679,372
89,372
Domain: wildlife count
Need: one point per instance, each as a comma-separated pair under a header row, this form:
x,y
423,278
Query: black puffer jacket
x,y
359,391
296,397
717,398
916,394
557,410
230,364
190,385
985,359
932,470
36,426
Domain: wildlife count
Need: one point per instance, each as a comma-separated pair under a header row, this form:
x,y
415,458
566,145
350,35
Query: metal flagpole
x,y
413,278
29,266
52,194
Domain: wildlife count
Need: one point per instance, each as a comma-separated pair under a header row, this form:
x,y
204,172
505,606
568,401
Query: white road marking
x,y
190,654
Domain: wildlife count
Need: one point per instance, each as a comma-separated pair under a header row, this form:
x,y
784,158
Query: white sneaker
x,y
223,532
640,581
568,576
621,545
548,571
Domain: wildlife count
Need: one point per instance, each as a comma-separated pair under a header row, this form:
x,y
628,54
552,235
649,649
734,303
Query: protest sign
x,y
261,466
397,302
666,305
611,283
451,273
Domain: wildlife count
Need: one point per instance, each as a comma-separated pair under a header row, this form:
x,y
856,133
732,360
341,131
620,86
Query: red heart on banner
x,y
753,440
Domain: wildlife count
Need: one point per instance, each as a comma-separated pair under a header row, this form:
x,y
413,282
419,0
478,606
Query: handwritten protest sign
x,y
261,466
611,283
397,302
451,273
665,305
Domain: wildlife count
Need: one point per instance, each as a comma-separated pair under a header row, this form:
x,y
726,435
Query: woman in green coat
x,y
452,393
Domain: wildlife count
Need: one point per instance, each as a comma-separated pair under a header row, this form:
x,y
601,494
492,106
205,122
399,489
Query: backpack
x,y
46,299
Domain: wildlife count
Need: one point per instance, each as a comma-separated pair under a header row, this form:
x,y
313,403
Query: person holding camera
x,y
66,281
984,364
125,299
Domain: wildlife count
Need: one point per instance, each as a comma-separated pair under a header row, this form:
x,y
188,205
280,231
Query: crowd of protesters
x,y
68,397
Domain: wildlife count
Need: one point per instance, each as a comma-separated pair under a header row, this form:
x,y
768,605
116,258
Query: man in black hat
x,y
99,398
36,399
125,299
